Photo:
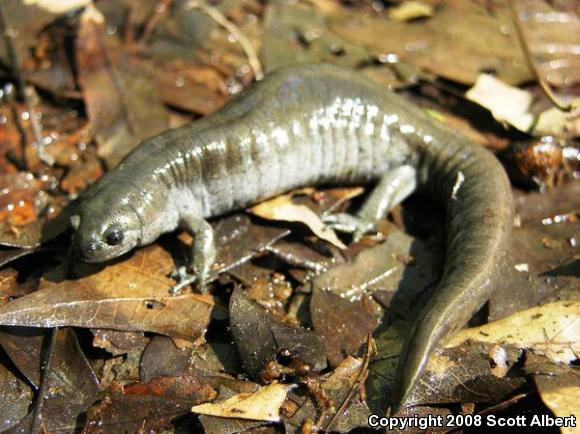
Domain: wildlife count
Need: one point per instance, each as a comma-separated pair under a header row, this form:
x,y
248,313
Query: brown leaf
x,y
296,33
183,387
24,345
445,44
282,208
465,374
71,385
119,342
162,358
199,89
10,288
131,295
543,246
26,19
259,337
122,103
23,203
551,31
132,413
344,305
16,398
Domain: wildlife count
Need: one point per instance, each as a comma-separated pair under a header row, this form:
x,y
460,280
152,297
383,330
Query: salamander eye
x,y
113,236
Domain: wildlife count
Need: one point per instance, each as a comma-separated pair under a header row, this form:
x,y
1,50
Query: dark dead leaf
x,y
119,342
71,388
131,413
464,374
541,244
24,347
343,305
16,398
239,240
183,387
9,255
163,358
259,337
343,323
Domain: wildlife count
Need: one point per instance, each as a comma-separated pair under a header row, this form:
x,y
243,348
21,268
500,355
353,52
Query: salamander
x,y
311,125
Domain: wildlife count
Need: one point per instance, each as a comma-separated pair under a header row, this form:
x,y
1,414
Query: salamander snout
x,y
104,237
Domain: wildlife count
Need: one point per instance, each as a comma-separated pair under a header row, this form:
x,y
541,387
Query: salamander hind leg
x,y
202,256
393,187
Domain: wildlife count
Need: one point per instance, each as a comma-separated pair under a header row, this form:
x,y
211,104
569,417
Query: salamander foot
x,y
183,279
350,224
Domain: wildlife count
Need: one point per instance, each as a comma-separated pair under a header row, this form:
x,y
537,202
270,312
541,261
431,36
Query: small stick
x,y
26,93
369,351
528,55
248,48
159,10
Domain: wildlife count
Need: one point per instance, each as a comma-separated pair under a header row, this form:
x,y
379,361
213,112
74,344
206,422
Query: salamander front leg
x,y
202,256
392,189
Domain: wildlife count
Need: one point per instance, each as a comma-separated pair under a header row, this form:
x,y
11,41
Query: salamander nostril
x,y
92,247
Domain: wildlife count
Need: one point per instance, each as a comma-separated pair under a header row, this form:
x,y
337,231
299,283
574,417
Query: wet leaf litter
x,y
295,311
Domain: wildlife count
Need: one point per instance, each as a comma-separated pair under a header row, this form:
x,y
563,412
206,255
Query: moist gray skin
x,y
310,125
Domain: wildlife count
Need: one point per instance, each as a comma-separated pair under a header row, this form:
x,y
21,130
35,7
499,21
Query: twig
x,y
24,92
529,58
159,10
219,18
364,369
13,58
30,99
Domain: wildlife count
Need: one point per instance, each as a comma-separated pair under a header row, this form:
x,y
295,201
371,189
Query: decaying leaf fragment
x,y
506,103
513,106
263,404
58,6
410,10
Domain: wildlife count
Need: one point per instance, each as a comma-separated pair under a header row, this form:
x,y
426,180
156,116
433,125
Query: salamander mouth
x,y
102,256
95,251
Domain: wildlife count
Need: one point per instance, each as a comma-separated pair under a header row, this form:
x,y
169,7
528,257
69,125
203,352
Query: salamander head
x,y
103,233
